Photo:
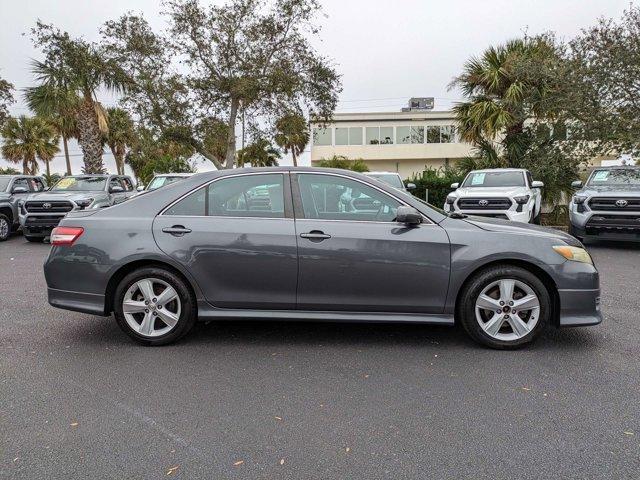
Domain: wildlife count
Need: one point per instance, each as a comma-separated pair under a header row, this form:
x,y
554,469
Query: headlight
x,y
579,199
575,254
85,202
450,199
21,203
521,200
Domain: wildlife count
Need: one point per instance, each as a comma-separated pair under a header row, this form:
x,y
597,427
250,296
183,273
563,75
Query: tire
x,y
154,331
573,232
498,331
31,238
536,219
5,227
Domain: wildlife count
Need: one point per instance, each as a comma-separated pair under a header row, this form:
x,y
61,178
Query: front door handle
x,y
315,236
176,230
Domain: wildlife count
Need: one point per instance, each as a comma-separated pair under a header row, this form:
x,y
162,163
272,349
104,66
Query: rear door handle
x,y
176,230
315,236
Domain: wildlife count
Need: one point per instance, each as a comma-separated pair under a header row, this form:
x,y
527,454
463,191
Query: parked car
x,y
277,243
162,180
507,193
392,178
14,188
608,205
41,212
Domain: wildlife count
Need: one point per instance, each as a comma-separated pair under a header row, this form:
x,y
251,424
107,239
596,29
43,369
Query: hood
x,y
610,191
73,196
517,228
491,191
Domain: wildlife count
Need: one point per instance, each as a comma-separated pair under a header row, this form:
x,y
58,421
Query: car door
x,y
117,190
354,256
236,235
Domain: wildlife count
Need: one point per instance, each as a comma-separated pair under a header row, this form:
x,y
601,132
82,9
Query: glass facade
x,y
376,135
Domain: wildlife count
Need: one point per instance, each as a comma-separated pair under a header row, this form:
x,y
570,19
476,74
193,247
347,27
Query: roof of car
x,y
381,173
19,175
618,167
173,174
501,170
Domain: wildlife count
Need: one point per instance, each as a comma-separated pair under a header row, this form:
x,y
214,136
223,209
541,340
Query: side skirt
x,y
207,312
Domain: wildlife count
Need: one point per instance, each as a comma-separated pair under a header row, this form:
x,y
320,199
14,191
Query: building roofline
x,y
390,116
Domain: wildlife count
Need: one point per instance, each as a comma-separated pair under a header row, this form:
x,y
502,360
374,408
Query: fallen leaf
x,y
526,389
279,418
282,461
74,424
172,470
239,462
366,376
15,459
347,449
629,433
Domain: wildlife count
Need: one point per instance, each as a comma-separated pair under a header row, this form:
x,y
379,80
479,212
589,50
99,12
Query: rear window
x,y
494,179
389,179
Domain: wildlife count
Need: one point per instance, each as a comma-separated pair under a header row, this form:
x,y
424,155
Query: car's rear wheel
x,y
504,307
154,306
5,227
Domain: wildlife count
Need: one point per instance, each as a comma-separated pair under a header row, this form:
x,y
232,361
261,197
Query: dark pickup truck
x,y
13,189
41,212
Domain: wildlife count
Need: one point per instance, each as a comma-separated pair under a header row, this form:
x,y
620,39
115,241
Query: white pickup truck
x,y
507,193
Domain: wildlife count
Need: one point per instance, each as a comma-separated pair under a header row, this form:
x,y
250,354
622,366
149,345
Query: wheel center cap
x,y
506,309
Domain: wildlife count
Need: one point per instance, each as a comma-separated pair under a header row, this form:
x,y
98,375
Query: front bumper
x,y
40,224
579,308
611,224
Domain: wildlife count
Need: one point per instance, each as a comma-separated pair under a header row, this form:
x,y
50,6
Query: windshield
x,y
80,184
158,182
619,177
494,179
4,183
389,179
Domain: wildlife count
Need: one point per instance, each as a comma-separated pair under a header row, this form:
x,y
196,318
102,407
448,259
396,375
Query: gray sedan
x,y
314,244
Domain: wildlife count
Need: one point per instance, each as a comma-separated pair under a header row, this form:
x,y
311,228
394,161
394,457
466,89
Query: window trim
x,y
299,210
286,191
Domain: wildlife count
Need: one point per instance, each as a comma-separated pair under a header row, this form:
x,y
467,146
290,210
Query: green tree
x,y
9,171
340,161
292,134
29,139
242,57
6,99
78,67
164,164
260,153
59,106
120,135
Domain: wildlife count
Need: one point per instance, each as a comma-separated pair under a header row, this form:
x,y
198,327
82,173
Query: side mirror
x,y
19,190
408,215
455,185
410,186
537,184
116,189
140,188
576,184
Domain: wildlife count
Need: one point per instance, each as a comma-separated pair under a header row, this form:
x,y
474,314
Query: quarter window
x,y
331,197
242,196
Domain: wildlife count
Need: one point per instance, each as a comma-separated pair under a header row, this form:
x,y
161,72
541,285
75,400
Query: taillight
x,y
65,235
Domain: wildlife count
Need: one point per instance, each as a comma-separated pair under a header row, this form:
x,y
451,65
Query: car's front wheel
x,y
5,227
154,306
504,307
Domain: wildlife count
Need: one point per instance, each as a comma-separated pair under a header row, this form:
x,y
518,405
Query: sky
x,y
386,51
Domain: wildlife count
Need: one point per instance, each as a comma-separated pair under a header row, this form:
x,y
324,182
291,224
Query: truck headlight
x,y
450,199
579,201
521,200
84,203
575,254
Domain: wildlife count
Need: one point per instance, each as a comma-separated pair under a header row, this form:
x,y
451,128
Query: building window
x,y
322,136
342,136
417,134
355,136
386,135
373,135
403,135
448,134
433,134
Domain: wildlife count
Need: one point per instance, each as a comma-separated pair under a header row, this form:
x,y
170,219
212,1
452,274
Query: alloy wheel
x,y
4,228
507,309
151,307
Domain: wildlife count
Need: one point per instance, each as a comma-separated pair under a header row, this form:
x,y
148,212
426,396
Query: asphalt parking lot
x,y
257,400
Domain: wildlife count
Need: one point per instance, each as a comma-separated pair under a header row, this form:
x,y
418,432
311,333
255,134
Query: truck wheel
x,y
5,227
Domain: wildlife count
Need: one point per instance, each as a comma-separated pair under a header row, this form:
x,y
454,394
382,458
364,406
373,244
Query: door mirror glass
x,y
455,185
537,184
576,184
410,186
116,189
140,188
408,215
19,190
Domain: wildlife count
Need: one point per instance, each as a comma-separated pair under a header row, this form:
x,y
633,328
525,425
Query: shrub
x,y
340,161
437,182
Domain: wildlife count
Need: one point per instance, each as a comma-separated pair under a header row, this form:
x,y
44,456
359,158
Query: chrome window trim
x,y
162,212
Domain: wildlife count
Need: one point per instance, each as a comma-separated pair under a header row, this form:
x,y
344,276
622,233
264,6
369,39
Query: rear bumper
x,y
580,308
90,303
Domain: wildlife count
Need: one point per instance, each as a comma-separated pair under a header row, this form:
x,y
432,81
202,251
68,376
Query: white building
x,y
404,142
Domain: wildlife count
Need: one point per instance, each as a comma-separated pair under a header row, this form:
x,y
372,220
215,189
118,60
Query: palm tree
x,y
27,139
59,106
79,68
292,135
260,153
121,135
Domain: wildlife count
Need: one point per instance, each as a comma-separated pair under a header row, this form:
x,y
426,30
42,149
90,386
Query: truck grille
x,y
601,204
39,206
484,204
